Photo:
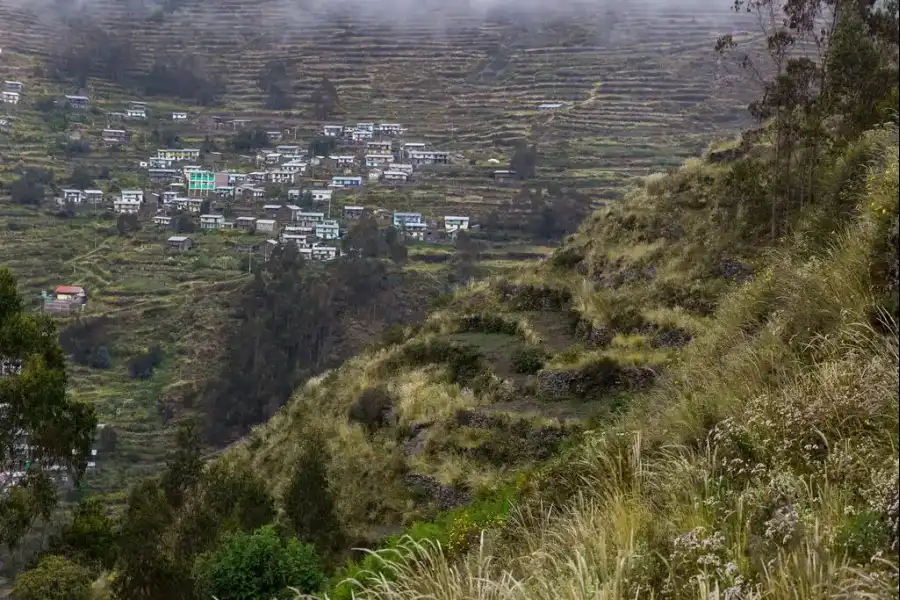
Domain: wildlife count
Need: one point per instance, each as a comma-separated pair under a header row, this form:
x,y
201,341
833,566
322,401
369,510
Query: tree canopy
x,y
34,409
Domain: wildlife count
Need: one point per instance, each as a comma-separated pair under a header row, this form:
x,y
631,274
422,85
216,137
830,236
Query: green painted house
x,y
200,181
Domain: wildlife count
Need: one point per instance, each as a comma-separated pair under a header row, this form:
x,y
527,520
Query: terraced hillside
x,y
643,84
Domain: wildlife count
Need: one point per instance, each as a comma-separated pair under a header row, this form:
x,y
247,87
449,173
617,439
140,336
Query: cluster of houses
x,y
128,201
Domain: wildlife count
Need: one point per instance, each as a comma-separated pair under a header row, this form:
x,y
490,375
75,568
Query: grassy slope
x,y
762,458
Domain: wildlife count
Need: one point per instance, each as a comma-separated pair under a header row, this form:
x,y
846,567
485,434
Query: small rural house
x,y
361,135
274,136
352,213
93,196
293,151
211,221
266,225
321,195
503,175
414,231
428,157
403,168
328,230
344,160
117,136
413,147
70,293
344,181
294,166
377,160
550,106
333,130
162,220
401,220
10,97
289,212
127,205
137,112
156,162
245,223
179,154
374,175
133,195
395,176
179,116
309,219
300,240
324,253
456,223
280,176
78,102
391,129
13,86
73,196
380,146
180,242
369,127
271,209
158,175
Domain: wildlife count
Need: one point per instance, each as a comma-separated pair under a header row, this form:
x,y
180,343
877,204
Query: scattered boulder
x,y
445,496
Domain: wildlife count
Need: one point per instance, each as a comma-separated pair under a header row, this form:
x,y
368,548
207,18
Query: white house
x,y
294,166
395,176
212,221
456,223
179,153
414,231
377,160
309,219
413,147
73,196
179,116
290,150
301,240
10,97
333,130
341,181
280,176
391,129
550,106
14,86
353,212
93,196
428,157
344,160
328,230
401,220
321,195
133,195
80,102
370,127
266,225
324,253
138,112
381,146
127,205
115,136
361,135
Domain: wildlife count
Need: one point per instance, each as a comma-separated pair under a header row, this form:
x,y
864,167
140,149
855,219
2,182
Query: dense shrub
x,y
142,365
86,342
528,360
464,361
262,564
487,323
372,409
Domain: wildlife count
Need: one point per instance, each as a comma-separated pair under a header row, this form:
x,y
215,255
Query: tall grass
x,y
764,467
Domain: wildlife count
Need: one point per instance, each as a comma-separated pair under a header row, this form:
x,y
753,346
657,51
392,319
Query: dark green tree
x,y
35,409
524,161
325,99
308,500
81,178
89,538
253,566
322,145
54,578
276,82
184,464
127,223
145,570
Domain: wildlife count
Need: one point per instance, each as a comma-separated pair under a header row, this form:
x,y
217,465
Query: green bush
x,y
262,564
528,360
54,578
